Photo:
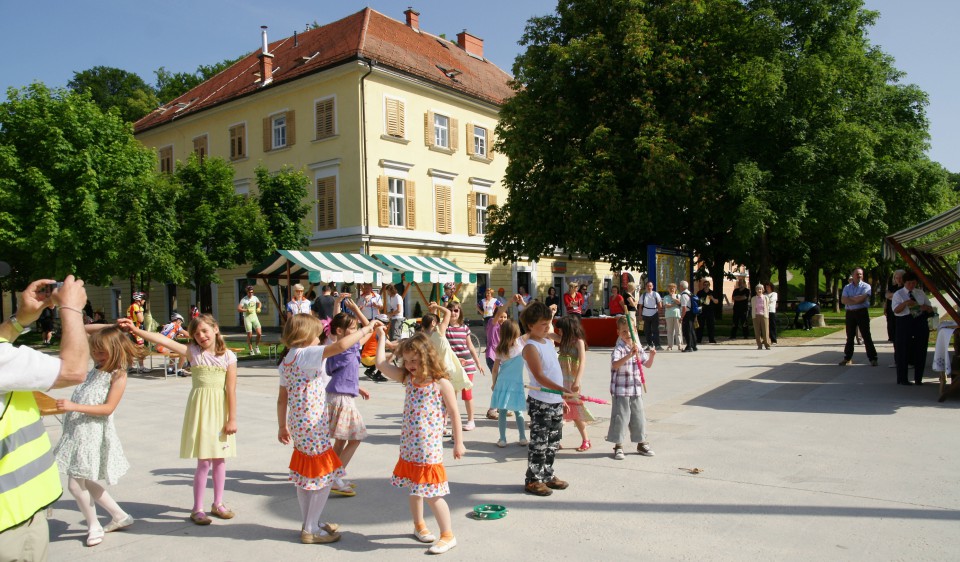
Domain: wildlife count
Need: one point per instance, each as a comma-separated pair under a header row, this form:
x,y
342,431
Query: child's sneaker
x,y
644,449
618,453
523,442
257,349
501,443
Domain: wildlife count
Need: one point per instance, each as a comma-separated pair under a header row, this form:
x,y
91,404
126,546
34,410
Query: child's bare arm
x,y
356,312
450,401
494,372
581,366
155,338
117,385
650,355
388,369
231,394
473,353
532,359
283,434
346,342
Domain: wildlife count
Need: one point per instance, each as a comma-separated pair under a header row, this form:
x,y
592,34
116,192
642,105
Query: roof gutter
x,y
364,181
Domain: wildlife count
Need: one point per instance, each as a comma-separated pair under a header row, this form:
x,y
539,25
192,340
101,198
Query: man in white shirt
x,y
23,524
251,306
371,305
651,304
911,308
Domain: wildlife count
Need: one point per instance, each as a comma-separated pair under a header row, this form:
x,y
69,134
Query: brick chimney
x,y
266,59
413,18
470,43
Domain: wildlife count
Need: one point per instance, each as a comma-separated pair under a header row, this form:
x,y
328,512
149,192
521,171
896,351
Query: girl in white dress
x,y
89,448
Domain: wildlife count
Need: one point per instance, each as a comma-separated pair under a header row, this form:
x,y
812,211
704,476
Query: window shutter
x,y
267,134
395,118
429,136
410,196
327,203
383,201
233,143
324,118
470,139
491,200
454,135
472,214
443,209
291,128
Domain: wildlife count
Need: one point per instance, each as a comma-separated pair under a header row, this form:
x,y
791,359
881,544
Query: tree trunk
x,y
783,290
763,262
811,279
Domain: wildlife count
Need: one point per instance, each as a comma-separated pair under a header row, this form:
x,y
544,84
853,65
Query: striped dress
x,y
457,336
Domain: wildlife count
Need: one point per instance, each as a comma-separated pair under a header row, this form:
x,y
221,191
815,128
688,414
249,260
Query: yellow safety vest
x,y
29,481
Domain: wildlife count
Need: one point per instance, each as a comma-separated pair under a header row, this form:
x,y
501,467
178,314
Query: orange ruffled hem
x,y
314,466
420,473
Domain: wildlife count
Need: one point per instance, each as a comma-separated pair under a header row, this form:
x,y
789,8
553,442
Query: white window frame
x,y
481,211
441,130
278,126
396,195
480,141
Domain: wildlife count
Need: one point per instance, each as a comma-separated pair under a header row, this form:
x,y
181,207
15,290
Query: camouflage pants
x,y
546,429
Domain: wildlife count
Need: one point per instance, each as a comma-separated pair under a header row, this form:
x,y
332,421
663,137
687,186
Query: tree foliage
x,y
116,88
769,132
281,199
219,229
68,172
171,85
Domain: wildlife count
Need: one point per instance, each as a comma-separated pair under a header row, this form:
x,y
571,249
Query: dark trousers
x,y
689,333
910,347
772,326
546,429
891,325
739,321
807,318
859,319
708,321
651,329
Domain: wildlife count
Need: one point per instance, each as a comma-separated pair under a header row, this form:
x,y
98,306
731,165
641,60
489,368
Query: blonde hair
x,y
119,348
623,322
509,332
300,331
297,287
672,286
219,347
429,360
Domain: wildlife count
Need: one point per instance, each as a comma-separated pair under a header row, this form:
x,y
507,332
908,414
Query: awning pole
x,y
923,278
273,297
425,301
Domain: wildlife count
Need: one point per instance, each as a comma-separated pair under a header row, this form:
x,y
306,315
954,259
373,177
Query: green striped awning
x,y
426,269
942,246
324,267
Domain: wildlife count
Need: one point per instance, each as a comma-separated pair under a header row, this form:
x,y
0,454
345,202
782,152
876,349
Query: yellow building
x,y
394,127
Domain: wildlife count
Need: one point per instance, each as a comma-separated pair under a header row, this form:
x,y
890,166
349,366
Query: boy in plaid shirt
x,y
627,409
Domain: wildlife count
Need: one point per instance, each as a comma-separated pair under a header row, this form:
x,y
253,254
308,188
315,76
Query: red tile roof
x,y
366,34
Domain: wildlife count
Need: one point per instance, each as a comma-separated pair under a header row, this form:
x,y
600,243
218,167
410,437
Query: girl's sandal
x,y
585,446
221,511
200,518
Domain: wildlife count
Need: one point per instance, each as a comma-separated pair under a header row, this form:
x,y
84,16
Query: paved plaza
x,y
800,459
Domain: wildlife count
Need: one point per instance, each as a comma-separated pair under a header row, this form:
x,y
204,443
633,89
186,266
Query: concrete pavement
x,y
800,459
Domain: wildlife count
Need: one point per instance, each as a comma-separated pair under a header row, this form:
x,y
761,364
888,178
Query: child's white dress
x,y
89,446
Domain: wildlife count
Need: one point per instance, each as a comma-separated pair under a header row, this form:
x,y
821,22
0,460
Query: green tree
x,y
115,88
66,171
219,229
281,199
171,85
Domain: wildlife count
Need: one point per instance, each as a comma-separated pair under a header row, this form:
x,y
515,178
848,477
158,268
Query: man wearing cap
x,y
250,306
136,315
448,294
174,330
25,457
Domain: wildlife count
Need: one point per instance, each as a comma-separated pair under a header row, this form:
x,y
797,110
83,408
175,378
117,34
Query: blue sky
x,y
48,40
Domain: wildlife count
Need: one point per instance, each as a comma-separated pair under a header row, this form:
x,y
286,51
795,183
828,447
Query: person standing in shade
x,y
741,302
650,306
760,313
912,308
856,299
687,317
616,304
896,283
709,303
573,301
370,303
671,314
394,310
553,299
772,315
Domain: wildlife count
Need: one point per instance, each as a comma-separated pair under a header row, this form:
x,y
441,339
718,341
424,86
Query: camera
x,y
52,286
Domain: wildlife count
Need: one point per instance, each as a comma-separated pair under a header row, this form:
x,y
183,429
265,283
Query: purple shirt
x,y
493,339
344,371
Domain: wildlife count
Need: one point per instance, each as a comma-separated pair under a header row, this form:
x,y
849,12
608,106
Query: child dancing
x,y
429,397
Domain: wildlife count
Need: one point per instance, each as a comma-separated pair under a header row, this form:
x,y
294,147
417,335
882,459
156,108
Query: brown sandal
x,y
200,518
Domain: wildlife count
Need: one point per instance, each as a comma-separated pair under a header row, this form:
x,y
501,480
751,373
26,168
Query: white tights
x,y
312,503
89,494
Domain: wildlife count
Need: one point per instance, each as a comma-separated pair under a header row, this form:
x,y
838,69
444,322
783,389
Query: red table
x,y
600,332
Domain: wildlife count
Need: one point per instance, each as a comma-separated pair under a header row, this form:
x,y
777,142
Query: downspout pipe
x,y
364,181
